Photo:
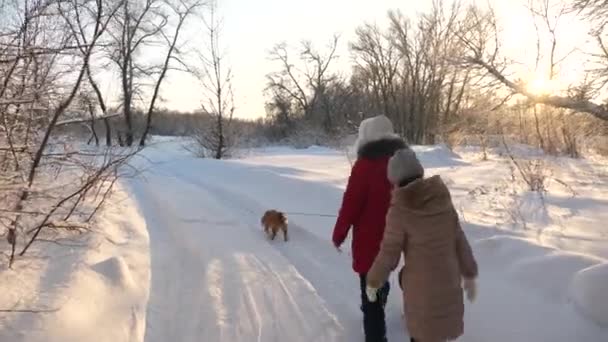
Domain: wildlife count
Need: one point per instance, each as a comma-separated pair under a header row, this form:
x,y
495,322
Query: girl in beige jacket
x,y
423,225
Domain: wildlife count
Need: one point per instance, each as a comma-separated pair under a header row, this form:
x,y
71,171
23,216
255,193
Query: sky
x,y
252,28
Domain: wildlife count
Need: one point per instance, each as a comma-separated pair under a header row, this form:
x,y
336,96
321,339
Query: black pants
x,y
373,313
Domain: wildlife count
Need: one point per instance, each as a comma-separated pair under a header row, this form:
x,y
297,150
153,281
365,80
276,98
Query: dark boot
x,y
373,313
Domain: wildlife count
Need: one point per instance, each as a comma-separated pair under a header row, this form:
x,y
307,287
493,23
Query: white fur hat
x,y
374,128
404,165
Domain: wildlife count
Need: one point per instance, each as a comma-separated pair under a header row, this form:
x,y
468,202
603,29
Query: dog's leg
x,y
285,237
274,234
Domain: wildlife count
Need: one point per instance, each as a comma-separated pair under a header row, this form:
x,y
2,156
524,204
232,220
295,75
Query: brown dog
x,y
273,221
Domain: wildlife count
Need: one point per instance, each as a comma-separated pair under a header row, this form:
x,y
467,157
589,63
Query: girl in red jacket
x,y
364,207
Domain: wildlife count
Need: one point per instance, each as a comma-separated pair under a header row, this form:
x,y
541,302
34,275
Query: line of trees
x,y
444,74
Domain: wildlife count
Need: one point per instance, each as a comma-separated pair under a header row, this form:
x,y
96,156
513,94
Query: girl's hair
x,y
408,181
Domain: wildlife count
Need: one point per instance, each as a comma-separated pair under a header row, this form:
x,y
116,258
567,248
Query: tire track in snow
x,y
253,310
175,288
296,307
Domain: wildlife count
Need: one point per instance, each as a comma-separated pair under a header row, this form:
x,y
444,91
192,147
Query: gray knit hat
x,y
404,165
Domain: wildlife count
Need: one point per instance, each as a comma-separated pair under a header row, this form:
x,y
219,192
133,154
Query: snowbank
x,y
115,271
437,156
555,275
508,249
550,275
544,270
95,287
590,292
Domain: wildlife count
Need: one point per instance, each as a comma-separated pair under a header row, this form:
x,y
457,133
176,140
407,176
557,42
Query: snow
x,y
95,287
589,288
188,260
116,272
550,274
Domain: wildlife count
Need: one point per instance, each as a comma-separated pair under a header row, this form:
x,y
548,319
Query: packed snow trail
x,y
215,279
215,276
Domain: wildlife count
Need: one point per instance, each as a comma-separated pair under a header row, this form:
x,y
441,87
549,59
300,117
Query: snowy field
x,y
182,256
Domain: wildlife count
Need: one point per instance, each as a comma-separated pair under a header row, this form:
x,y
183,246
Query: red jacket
x,y
366,202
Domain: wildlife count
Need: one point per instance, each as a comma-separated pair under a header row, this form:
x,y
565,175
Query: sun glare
x,y
541,86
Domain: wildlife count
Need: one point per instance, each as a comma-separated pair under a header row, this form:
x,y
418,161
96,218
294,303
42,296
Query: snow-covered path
x,y
215,277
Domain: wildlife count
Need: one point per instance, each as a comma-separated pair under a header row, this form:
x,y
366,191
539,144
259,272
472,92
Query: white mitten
x,y
470,287
372,294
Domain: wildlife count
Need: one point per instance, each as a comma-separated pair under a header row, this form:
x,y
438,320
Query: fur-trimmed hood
x,y
384,147
429,196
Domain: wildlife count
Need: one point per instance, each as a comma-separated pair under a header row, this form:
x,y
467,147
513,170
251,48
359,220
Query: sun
x,y
541,86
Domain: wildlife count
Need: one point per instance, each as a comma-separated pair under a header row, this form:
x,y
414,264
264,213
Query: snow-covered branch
x,y
85,120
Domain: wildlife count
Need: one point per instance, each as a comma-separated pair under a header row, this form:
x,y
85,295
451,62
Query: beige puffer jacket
x,y
423,225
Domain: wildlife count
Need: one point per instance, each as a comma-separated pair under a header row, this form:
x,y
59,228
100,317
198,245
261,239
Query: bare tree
x,y
596,12
87,105
182,10
78,29
306,83
405,71
541,11
377,59
279,109
105,116
479,33
216,79
431,87
136,25
39,187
